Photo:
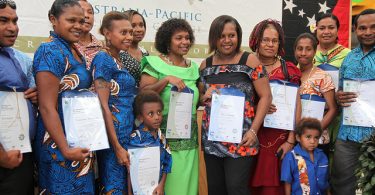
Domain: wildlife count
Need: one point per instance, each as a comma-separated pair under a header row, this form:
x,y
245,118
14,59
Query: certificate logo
x,y
21,137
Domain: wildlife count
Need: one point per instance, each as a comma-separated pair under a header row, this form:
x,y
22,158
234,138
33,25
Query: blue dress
x,y
58,175
141,139
112,174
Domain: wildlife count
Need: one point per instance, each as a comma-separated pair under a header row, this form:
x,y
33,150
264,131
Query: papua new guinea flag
x,y
300,16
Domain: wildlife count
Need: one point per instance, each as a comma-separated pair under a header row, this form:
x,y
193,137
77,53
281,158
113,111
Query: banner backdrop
x,y
296,16
35,26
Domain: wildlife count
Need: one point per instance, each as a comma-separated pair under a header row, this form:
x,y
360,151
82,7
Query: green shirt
x,y
157,68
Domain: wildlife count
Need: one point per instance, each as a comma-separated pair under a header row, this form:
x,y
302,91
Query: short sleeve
x,y
148,69
287,168
49,58
327,83
103,65
258,73
27,66
341,72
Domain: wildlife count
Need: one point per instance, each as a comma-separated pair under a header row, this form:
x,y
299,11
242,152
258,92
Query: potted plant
x,y
366,169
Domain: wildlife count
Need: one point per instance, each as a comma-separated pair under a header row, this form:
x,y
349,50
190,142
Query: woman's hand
x,y
272,109
345,98
76,154
207,95
176,82
122,157
159,190
32,94
285,147
249,139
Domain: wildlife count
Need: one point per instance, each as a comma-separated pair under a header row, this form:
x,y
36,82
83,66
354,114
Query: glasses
x,y
10,3
269,41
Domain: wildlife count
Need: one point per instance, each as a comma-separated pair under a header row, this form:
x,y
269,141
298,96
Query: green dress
x,y
184,176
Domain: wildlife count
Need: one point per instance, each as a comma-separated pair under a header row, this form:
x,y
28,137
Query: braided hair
x,y
257,34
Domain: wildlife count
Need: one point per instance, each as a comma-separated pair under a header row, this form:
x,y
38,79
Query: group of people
x,y
134,90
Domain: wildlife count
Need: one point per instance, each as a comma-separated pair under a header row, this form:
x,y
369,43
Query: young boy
x,y
305,169
148,109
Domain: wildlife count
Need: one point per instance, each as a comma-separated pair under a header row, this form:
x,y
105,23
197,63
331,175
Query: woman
x,y
267,40
116,90
332,53
132,57
328,50
229,165
88,44
315,81
159,73
59,67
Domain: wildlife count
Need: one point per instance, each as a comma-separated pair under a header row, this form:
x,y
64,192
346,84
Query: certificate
x,y
333,72
14,122
226,118
144,169
83,120
362,111
312,106
284,97
179,114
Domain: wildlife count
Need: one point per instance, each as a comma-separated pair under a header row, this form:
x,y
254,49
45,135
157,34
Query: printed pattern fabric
x,y
58,175
133,65
224,149
141,138
89,51
303,175
112,174
319,82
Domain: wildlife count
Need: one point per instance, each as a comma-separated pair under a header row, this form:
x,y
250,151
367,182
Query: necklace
x,y
271,64
169,61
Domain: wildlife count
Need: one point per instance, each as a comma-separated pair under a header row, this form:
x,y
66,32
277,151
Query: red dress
x,y
266,178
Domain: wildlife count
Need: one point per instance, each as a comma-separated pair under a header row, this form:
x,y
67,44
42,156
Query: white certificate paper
x,y
333,72
144,169
226,118
284,97
84,123
14,122
179,115
362,111
312,106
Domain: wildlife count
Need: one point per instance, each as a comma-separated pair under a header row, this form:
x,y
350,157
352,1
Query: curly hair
x,y
217,27
257,35
308,123
146,96
165,32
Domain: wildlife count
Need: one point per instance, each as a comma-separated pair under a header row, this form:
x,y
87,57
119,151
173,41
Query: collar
x,y
94,42
359,50
54,37
299,150
7,51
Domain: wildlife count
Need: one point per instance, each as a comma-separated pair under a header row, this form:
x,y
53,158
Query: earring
x,y
108,43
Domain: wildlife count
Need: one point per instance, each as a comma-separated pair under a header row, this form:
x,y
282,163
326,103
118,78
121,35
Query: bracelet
x,y
289,142
253,131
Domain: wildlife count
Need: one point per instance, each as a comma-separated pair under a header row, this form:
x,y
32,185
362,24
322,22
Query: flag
x,y
300,16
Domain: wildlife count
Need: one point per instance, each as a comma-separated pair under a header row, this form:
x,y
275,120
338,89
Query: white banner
x,y
35,26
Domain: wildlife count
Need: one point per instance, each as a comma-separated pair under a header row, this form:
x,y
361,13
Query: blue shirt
x,y
317,171
140,138
356,65
16,73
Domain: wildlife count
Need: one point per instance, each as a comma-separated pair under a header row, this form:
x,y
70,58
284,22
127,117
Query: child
x,y
305,169
148,109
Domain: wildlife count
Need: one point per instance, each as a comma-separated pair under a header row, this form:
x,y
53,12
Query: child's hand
x,y
159,190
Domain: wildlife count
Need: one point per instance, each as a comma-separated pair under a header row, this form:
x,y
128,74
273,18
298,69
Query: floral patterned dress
x,y
241,77
113,175
58,175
